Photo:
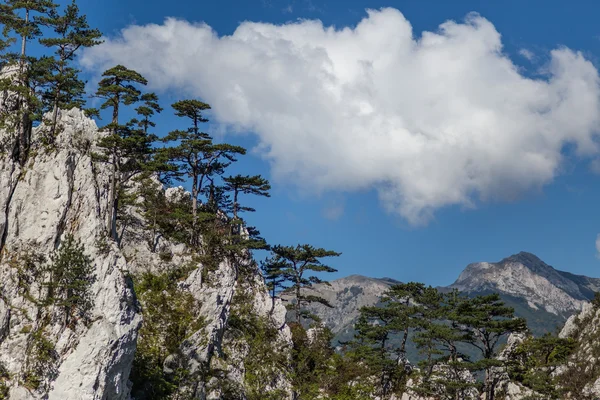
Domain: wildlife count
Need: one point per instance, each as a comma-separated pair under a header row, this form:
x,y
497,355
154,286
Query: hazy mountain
x,y
347,295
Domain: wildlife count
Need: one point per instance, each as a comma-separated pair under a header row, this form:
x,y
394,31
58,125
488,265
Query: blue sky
x,y
554,217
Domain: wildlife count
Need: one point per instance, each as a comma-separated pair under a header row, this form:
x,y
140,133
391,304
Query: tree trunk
x,y
56,97
235,204
24,107
24,40
194,207
113,201
489,386
297,305
404,339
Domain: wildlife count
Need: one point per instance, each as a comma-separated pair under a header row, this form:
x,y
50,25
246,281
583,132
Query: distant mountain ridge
x,y
526,276
543,295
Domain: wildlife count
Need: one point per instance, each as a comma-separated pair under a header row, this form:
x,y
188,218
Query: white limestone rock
x,y
59,192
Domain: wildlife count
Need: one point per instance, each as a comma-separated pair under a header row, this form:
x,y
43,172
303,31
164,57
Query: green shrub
x,y
171,315
71,278
40,359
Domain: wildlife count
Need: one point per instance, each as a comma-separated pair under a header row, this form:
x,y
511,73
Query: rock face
x,y
526,276
61,191
57,192
583,369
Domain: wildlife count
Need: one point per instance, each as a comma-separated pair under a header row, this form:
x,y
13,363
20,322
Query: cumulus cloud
x,y
598,245
432,120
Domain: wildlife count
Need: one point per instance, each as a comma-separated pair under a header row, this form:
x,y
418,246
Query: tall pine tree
x,y
21,21
196,157
64,89
293,264
123,145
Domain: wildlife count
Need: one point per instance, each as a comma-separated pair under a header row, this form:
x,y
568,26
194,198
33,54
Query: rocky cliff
x,y
60,191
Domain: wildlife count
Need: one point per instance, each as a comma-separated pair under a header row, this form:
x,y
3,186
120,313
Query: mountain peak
x,y
529,260
525,275
524,257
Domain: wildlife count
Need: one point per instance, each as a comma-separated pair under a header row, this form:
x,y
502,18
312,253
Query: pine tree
x,y
438,340
21,18
293,265
71,273
255,185
403,308
147,110
123,144
485,319
195,155
64,89
407,302
273,272
375,328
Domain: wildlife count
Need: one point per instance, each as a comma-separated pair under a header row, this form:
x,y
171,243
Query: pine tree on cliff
x,y
63,88
294,264
21,20
147,110
195,155
72,275
239,184
486,320
272,270
124,148
383,330
438,340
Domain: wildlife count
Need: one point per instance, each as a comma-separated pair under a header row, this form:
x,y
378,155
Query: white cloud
x,y
432,121
528,54
598,246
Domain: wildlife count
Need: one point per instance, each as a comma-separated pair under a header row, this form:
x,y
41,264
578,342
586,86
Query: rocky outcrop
x,y
507,389
55,193
582,371
62,191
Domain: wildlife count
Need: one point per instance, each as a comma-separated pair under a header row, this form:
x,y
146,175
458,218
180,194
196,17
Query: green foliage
x,y
71,277
596,300
535,360
4,377
311,354
118,87
290,264
40,361
62,88
486,320
256,185
126,149
22,18
266,356
40,83
146,111
171,315
404,308
196,157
